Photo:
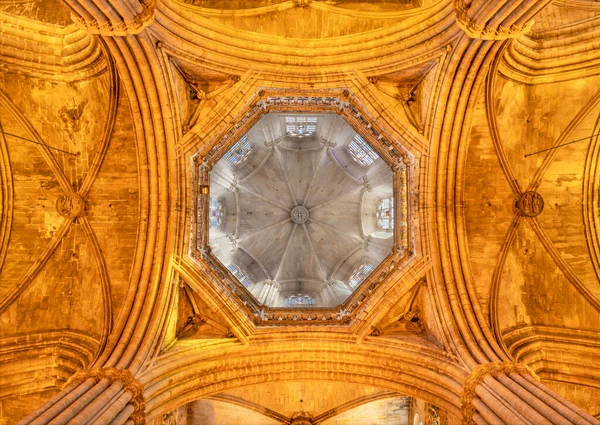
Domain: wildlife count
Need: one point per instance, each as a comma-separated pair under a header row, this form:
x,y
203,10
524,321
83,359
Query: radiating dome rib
x,y
255,214
269,245
331,182
342,214
270,183
299,209
329,245
301,168
299,260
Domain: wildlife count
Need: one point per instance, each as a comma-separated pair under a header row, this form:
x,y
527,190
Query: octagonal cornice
x,y
392,273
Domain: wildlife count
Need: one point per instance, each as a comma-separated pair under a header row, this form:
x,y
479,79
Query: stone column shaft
x,y
507,393
269,292
92,396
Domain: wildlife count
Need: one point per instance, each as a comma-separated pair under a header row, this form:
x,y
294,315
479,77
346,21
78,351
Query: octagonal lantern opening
x,y
301,210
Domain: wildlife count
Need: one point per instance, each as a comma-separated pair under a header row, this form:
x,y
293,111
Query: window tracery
x,y
300,126
299,300
240,274
361,152
240,151
385,213
360,274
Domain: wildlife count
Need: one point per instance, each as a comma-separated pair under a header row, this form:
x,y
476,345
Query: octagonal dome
x,y
301,210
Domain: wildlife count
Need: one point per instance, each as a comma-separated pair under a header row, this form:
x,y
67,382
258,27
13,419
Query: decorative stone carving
x,y
476,378
233,186
300,214
120,27
302,3
129,382
479,29
366,184
433,415
272,283
328,143
233,241
70,205
301,418
273,143
191,326
530,204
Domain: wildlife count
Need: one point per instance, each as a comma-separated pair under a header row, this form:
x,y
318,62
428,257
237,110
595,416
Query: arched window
x,y
299,300
216,213
300,126
239,151
240,274
361,152
417,420
360,274
385,213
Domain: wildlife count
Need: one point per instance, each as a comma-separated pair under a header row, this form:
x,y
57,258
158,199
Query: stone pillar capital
x,y
112,374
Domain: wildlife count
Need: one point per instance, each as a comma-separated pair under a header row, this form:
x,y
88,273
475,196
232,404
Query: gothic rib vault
x,y
301,210
113,309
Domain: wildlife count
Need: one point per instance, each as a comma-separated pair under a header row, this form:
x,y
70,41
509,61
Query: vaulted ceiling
x,y
108,107
298,212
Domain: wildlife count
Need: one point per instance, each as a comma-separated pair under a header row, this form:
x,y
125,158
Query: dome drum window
x,y
385,213
240,151
361,152
216,213
299,300
360,274
240,274
300,126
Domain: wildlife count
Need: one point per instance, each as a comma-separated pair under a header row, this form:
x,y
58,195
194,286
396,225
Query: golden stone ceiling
x,y
107,108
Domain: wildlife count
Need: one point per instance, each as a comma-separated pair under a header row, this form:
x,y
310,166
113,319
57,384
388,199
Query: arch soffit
x,y
182,33
187,373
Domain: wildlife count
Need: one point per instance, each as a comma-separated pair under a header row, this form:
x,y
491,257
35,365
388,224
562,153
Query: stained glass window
x,y
360,274
385,213
361,152
299,300
241,274
239,151
217,212
300,126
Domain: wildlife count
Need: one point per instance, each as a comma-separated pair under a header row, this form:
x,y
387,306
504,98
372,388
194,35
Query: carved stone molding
x,y
477,29
302,3
476,378
130,384
301,418
391,150
120,27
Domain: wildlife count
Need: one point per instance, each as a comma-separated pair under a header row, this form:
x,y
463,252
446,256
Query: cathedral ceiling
x,y
296,217
98,139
